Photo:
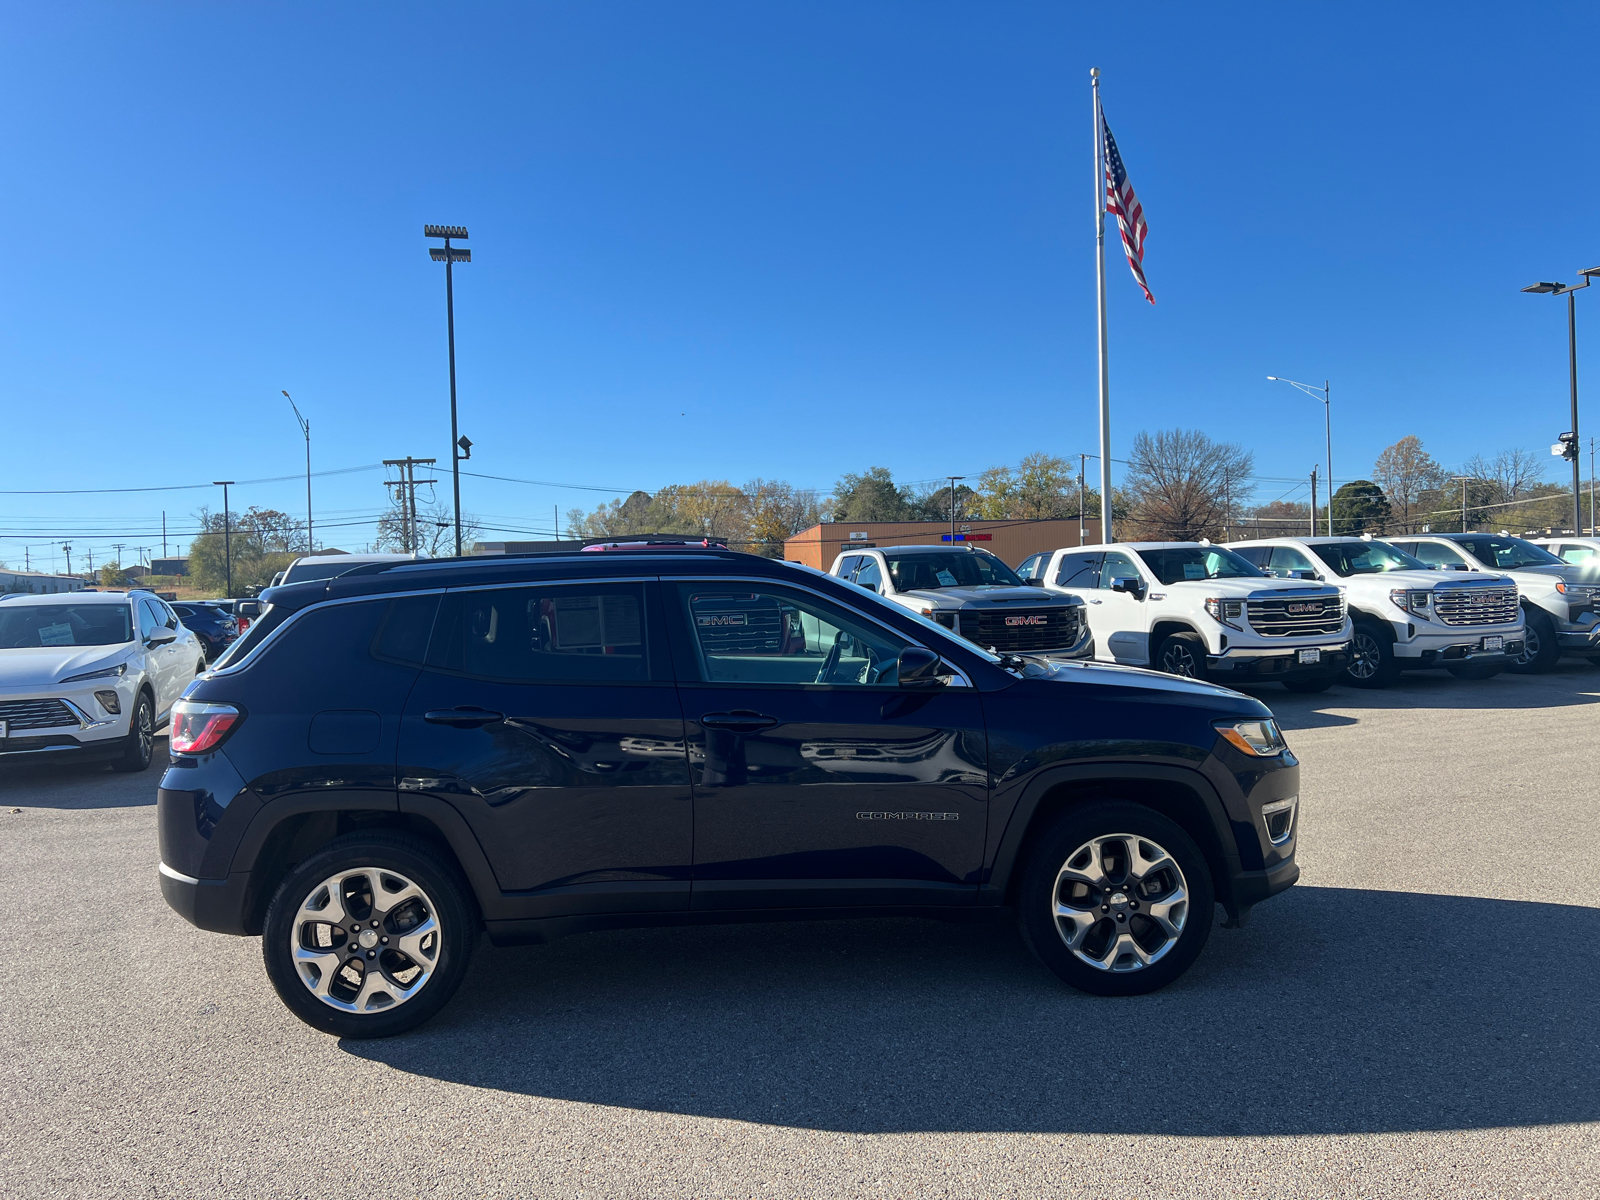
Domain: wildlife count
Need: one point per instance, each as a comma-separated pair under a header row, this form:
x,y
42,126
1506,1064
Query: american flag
x,y
1120,199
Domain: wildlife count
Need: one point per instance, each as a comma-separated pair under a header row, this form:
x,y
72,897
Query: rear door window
x,y
1079,570
578,633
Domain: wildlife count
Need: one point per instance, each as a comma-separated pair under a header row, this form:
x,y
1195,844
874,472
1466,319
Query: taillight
x,y
244,623
198,726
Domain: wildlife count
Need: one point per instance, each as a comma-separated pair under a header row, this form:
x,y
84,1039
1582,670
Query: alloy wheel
x,y
1178,659
1366,656
1120,902
146,719
365,940
1530,647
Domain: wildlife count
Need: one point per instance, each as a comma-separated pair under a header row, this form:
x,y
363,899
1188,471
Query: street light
x,y
449,256
1319,393
227,530
305,428
1571,446
1463,480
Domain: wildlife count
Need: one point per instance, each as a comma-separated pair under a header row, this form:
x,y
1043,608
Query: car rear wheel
x,y
370,936
1540,648
1117,900
1182,654
1372,661
141,742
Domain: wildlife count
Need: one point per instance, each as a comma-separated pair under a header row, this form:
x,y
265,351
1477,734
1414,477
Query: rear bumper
x,y
217,905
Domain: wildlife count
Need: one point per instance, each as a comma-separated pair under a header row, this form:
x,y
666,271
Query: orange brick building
x,y
1010,541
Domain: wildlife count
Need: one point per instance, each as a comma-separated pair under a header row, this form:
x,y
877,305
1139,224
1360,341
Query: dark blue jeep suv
x,y
399,758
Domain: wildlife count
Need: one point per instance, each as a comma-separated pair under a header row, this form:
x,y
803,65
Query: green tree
x,y
113,576
871,496
1040,487
1360,507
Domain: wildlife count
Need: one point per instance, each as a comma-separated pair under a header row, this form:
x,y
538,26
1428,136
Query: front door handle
x,y
465,717
740,721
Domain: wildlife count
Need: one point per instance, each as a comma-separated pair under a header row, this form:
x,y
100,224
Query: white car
x,y
1581,552
90,676
1191,608
1558,599
1406,615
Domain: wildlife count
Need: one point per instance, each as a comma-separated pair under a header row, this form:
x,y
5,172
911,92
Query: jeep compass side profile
x,y
401,758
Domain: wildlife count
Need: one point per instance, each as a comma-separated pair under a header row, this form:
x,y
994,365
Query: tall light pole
x,y
227,530
1319,393
1569,441
449,256
954,479
305,428
1463,480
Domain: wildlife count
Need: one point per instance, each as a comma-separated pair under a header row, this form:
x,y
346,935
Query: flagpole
x,y
1100,281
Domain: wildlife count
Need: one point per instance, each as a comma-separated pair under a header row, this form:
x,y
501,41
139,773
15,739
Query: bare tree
x,y
1406,473
436,530
1180,483
1513,473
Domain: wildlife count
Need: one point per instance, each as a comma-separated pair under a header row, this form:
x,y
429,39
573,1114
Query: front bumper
x,y
1420,645
1279,662
89,733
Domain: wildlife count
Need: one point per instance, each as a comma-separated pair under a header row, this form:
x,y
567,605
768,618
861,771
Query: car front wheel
x,y
1117,900
141,743
370,936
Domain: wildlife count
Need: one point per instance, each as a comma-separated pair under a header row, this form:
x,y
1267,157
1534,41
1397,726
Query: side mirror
x,y
247,608
161,636
1036,581
1131,585
1301,575
918,668
871,587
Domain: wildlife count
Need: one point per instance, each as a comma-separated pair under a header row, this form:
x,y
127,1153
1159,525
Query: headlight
x,y
1411,601
1259,739
1224,612
116,672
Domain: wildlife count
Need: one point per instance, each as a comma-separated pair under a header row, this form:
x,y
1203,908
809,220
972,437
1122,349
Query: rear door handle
x,y
465,717
740,721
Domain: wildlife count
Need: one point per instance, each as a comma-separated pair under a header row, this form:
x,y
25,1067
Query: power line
x,y
182,487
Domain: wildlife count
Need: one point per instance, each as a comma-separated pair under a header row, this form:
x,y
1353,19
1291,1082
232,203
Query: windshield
x,y
1507,553
24,625
1198,562
1365,558
954,568
934,626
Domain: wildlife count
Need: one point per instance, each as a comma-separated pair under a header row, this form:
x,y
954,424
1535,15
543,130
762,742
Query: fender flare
x,y
1008,851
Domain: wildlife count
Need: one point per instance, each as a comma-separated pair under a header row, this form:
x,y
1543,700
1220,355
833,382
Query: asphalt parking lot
x,y
1419,1017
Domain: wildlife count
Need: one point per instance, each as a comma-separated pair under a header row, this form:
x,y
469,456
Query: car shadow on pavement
x,y
1568,685
81,785
1334,1011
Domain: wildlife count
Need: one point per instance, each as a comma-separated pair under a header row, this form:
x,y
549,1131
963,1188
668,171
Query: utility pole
x,y
163,535
1313,502
1591,487
449,256
67,550
1463,480
117,546
227,532
1083,492
1227,503
407,497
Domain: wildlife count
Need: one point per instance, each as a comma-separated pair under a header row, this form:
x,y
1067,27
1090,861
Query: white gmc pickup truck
x,y
1406,616
1191,608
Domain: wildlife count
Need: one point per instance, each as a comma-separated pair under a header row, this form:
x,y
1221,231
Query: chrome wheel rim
x,y
1530,646
1178,659
147,730
1120,903
1365,655
365,940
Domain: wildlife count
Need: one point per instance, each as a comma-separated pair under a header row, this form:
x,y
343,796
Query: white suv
x,y
1191,608
1583,552
1558,605
1406,615
90,676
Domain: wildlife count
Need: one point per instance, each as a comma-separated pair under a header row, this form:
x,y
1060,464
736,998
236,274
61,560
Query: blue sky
x,y
787,240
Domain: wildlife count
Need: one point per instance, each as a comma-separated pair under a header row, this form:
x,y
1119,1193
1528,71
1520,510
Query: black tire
x,y
1182,654
361,858
1062,844
140,744
1372,661
1311,684
1541,651
1476,670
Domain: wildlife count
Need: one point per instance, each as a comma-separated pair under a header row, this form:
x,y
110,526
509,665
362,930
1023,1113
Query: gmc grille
x,y
1296,618
1475,606
1029,630
36,714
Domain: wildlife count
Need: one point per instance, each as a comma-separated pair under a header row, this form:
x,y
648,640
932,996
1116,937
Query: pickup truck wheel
x,y
1372,661
1540,649
370,936
1116,899
1182,654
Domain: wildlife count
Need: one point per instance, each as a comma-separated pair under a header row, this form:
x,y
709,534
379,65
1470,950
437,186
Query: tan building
x,y
1010,541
